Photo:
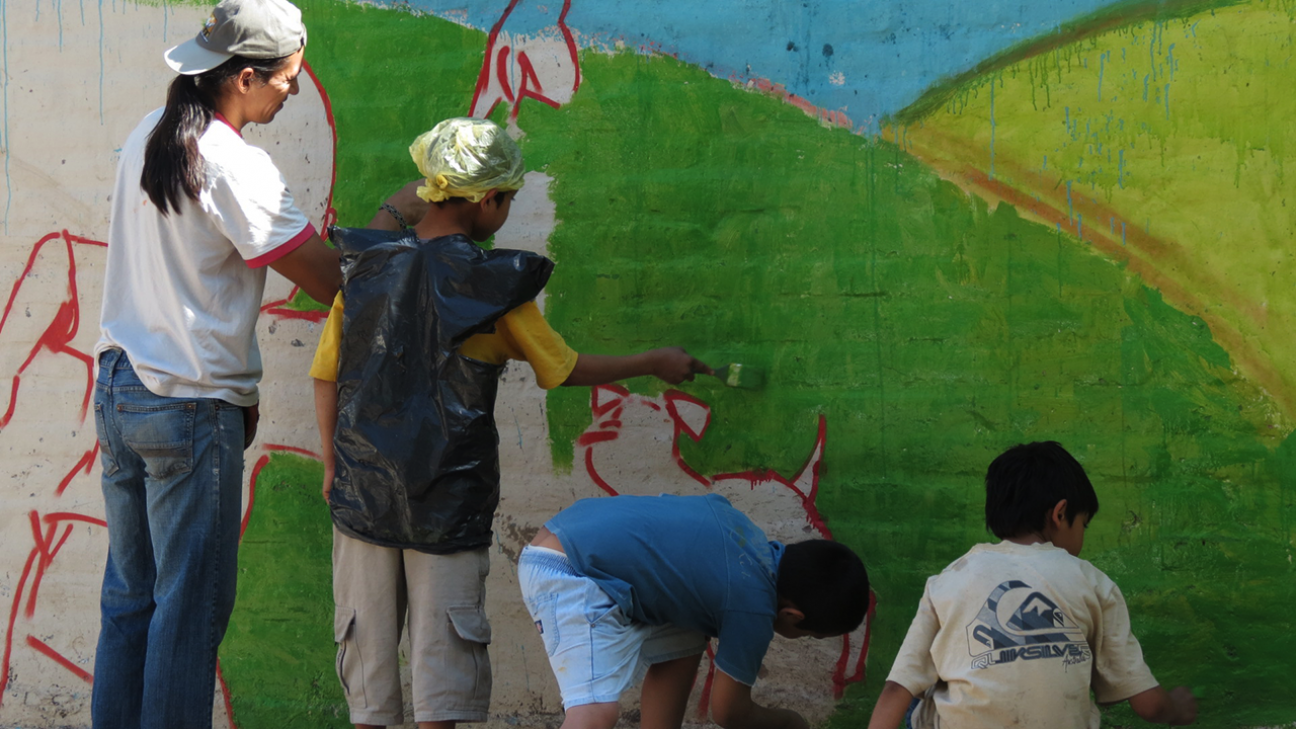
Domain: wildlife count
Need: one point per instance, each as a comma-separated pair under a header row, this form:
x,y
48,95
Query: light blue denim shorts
x,y
595,650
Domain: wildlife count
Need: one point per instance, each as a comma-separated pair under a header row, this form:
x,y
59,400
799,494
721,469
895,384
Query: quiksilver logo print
x,y
1019,623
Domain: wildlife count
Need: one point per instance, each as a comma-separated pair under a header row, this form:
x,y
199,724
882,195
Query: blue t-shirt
x,y
691,561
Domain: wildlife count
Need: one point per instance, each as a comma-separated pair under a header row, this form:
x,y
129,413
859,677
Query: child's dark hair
x,y
1026,481
827,582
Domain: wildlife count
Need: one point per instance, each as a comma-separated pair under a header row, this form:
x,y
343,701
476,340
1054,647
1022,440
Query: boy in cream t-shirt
x,y
1020,632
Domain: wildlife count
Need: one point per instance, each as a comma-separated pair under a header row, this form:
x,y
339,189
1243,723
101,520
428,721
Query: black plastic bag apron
x,y
417,453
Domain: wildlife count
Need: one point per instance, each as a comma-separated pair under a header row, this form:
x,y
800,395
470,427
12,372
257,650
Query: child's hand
x,y
328,483
674,365
1176,708
1185,706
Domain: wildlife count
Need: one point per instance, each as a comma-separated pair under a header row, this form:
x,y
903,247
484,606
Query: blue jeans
x,y
172,483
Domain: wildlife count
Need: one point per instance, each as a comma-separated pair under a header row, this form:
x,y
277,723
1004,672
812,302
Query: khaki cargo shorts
x,y
448,631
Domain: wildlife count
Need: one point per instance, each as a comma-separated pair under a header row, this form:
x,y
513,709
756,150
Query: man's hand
x,y
328,482
251,416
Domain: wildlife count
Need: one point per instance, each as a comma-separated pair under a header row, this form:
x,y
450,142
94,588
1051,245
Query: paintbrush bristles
x,y
741,376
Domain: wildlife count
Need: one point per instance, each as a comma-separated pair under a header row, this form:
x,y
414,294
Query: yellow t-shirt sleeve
x,y
523,334
325,366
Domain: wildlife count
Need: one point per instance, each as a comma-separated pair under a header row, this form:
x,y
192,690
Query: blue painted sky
x,y
867,58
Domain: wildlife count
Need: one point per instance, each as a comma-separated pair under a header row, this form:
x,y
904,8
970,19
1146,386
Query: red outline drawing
x,y
496,67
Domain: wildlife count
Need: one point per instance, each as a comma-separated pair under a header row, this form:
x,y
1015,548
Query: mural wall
x,y
940,228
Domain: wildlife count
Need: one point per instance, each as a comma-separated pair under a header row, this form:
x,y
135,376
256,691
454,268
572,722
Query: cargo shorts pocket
x,y
350,669
471,625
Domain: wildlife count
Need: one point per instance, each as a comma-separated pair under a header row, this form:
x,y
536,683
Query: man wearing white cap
x,y
197,216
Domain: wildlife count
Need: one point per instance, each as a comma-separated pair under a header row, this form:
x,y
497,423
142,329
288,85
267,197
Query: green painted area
x,y
277,657
390,76
930,328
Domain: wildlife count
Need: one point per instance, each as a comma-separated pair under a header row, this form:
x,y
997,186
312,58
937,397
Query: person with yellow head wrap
x,y
405,382
466,158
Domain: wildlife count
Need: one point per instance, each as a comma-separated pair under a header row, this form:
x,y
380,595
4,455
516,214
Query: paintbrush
x,y
742,376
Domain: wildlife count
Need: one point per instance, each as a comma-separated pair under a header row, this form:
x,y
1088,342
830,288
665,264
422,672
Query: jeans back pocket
x,y
162,435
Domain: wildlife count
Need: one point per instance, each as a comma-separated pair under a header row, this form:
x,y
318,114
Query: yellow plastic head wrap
x,y
466,158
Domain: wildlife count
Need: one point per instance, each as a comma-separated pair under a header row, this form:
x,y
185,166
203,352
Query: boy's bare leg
x,y
592,716
665,692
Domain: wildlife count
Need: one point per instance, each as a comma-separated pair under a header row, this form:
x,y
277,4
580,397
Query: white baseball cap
x,y
249,28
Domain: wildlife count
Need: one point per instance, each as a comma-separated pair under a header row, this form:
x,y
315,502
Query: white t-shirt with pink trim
x,y
182,291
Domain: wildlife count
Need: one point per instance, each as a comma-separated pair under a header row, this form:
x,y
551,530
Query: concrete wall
x,y
939,228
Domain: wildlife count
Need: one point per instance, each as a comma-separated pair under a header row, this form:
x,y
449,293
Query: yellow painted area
x,y
1163,144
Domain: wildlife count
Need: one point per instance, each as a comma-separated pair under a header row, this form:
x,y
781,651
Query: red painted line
x,y
571,44
225,694
528,72
483,77
291,449
598,436
31,262
593,474
84,465
67,532
275,308
600,408
82,240
13,402
330,215
252,487
13,619
61,330
679,460
42,549
840,679
755,477
501,74
675,396
59,659
704,701
58,516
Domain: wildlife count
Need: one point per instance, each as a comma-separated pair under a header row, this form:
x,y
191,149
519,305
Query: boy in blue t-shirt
x,y
632,586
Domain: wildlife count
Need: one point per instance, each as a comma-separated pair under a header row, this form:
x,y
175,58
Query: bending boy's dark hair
x,y
1026,481
827,582
173,166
